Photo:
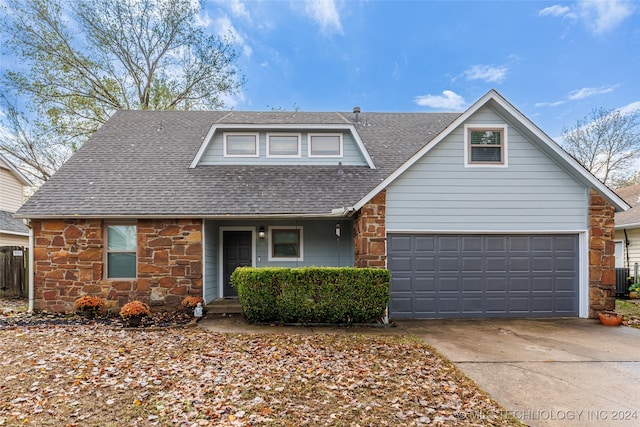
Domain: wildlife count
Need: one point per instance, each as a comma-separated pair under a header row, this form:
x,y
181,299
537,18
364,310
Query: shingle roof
x,y
631,195
137,164
9,224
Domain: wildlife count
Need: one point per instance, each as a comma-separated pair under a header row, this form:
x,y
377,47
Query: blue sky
x,y
554,61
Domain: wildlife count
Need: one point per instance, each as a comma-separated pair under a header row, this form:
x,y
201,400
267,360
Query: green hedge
x,y
312,294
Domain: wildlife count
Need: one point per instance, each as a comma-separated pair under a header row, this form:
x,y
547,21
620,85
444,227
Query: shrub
x,y
135,309
90,303
191,301
312,294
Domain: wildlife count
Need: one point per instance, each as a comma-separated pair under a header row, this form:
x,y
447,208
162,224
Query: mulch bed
x,y
13,313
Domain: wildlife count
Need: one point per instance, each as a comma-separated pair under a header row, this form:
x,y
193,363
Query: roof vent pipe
x,y
356,114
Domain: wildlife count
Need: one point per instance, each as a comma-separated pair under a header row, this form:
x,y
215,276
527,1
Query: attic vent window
x,y
283,145
325,145
241,145
486,145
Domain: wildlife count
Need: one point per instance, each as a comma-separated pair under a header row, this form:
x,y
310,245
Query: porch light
x,y
261,232
337,229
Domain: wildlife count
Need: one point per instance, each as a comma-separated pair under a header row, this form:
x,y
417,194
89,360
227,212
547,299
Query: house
x,y
13,232
627,227
476,214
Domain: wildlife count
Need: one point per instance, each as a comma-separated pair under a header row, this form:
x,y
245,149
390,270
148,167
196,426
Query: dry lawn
x,y
100,375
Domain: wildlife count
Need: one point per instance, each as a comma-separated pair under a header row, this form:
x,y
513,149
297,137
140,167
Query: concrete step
x,y
224,306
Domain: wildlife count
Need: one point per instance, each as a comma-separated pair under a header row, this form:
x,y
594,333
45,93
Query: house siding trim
x,y
552,148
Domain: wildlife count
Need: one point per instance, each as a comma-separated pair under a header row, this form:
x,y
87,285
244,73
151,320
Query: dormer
x,y
282,144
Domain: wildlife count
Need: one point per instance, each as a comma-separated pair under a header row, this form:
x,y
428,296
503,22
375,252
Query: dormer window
x,y
241,145
325,145
485,145
283,145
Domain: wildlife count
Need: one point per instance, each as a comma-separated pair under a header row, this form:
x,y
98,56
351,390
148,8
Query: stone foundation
x,y
69,261
602,274
370,235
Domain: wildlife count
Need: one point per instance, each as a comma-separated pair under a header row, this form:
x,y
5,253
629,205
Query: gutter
x,y
335,213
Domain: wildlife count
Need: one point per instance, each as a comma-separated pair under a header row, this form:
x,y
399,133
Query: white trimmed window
x,y
485,145
241,145
283,145
285,244
325,145
121,251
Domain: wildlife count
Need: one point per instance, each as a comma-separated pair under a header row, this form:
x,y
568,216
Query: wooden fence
x,y
13,283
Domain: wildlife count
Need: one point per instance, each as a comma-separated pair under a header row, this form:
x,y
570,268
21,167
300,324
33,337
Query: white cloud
x,y
487,73
556,11
586,92
449,100
225,27
325,13
238,9
602,16
630,108
579,94
549,104
599,16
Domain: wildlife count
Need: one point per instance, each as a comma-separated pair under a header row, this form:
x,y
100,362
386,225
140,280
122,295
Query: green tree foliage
x,y
607,143
80,61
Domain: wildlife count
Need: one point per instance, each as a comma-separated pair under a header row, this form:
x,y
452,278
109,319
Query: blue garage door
x,y
452,276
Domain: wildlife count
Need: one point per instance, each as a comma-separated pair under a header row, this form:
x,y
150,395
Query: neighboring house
x,y
13,232
476,214
628,230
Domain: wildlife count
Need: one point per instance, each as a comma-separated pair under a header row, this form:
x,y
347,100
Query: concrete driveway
x,y
551,372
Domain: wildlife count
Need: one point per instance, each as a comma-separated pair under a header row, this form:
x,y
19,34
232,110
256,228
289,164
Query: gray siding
x,y
532,194
320,246
211,290
214,155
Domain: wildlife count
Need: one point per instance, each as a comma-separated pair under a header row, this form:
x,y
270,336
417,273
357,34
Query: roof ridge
x,y
224,117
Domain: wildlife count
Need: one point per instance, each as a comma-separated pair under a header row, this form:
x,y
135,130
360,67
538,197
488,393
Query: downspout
x,y
31,264
626,247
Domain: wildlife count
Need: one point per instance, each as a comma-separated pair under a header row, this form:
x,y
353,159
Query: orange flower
x,y
87,302
191,301
135,308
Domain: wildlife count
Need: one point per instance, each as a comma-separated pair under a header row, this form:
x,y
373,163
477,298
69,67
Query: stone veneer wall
x,y
602,274
69,262
370,235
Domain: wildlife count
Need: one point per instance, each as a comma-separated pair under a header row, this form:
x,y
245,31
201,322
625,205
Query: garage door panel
x,y
473,284
424,284
542,244
423,263
425,243
520,284
565,264
446,276
448,264
402,284
400,243
494,264
471,244
400,263
496,284
564,284
447,243
542,284
495,244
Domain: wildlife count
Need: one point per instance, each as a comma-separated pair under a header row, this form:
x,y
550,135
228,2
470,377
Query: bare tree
x,y
37,153
80,61
606,142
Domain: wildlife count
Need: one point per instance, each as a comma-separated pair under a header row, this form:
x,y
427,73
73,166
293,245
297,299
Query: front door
x,y
236,252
